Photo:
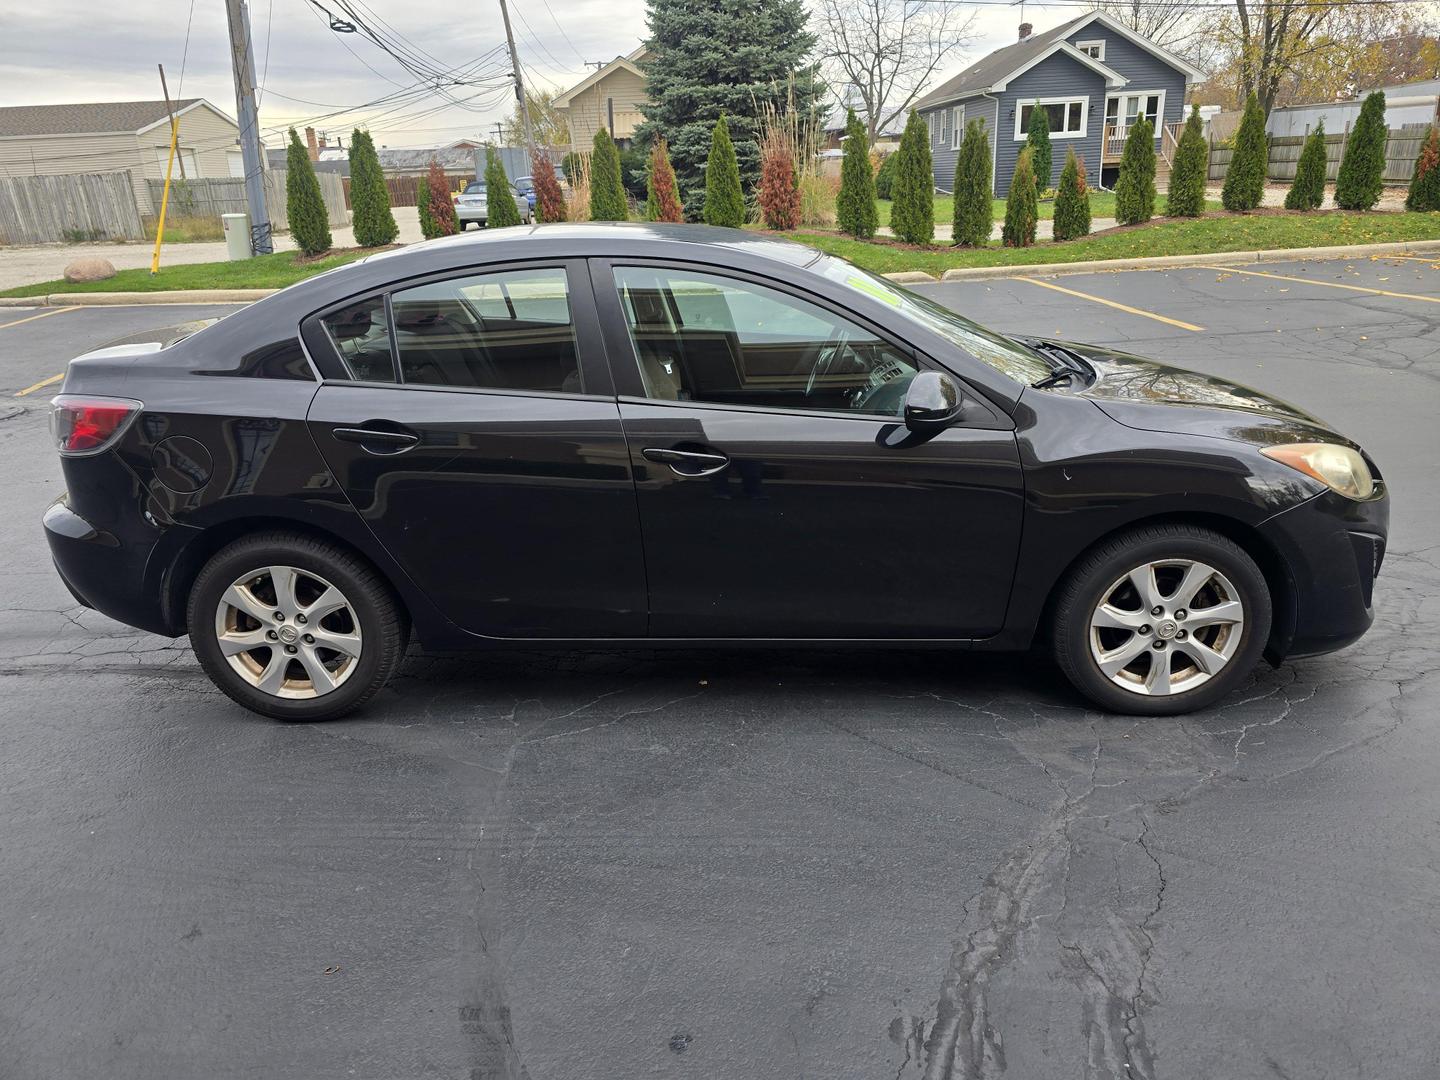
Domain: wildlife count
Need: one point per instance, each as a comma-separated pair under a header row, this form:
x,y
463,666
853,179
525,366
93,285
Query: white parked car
x,y
471,205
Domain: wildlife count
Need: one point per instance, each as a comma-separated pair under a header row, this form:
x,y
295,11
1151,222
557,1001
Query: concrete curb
x,y
112,299
1161,262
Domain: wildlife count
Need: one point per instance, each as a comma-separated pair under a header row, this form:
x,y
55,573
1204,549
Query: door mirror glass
x,y
933,402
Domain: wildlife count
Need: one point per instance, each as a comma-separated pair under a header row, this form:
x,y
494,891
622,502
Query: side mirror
x,y
933,402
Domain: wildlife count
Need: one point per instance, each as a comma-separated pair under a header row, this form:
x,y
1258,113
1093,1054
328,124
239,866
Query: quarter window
x,y
361,336
700,337
503,331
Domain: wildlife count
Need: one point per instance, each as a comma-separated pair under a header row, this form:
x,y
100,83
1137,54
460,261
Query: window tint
x,y
506,331
699,337
361,336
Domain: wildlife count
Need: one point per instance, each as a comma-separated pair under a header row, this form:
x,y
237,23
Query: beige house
x,y
118,136
610,98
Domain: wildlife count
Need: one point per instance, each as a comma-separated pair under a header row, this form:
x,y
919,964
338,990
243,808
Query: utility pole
x,y
170,112
242,63
519,84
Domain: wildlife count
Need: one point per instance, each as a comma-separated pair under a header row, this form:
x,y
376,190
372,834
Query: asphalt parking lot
x,y
726,865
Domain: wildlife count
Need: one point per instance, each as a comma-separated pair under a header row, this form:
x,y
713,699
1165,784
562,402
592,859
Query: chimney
x,y
310,144
1025,29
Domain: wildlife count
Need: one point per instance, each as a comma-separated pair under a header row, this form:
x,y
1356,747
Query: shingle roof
x,y
76,119
986,71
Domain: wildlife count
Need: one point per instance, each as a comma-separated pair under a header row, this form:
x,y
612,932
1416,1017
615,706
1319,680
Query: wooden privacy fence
x,y
405,190
1401,149
82,206
209,198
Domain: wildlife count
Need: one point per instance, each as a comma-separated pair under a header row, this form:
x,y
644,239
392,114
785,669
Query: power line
x,y
185,52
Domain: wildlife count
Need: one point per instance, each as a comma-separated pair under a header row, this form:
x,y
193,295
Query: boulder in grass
x,y
89,270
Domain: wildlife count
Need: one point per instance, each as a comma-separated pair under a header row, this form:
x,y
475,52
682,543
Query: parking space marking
x,y
42,315
1115,304
1433,260
1325,284
51,381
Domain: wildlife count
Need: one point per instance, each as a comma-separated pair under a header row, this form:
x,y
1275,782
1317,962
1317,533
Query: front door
x,y
779,495
479,439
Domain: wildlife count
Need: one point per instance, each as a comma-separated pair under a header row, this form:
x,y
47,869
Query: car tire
x,y
316,586
1143,599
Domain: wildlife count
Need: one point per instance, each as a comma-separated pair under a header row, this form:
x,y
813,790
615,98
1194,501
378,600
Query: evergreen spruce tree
x,y
1037,138
1308,190
855,210
912,217
724,201
1072,200
1135,188
1245,178
369,197
662,195
500,207
708,58
1425,183
1022,205
974,213
440,206
1186,197
549,199
304,205
607,196
1362,168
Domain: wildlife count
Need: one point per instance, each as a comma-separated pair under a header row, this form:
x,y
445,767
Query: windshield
x,y
1008,357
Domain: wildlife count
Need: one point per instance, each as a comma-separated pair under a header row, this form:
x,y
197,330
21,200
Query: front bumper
x,y
1333,548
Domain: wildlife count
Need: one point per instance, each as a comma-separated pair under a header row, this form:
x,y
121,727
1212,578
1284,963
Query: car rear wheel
x,y
294,628
1162,620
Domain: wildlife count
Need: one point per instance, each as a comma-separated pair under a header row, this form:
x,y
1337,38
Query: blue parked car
x,y
525,186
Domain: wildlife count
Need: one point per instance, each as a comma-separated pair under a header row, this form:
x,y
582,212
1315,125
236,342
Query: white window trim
x,y
1083,45
957,130
1020,103
1127,92
933,126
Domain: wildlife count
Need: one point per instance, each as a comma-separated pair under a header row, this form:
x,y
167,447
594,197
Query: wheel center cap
x,y
1165,630
289,635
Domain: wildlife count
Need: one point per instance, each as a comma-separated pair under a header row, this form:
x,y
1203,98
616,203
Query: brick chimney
x,y
310,144
1025,29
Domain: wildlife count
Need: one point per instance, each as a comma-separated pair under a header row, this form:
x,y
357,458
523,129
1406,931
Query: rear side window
x,y
510,330
361,336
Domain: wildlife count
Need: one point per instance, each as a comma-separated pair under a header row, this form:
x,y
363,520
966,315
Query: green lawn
x,y
261,272
1170,236
1102,205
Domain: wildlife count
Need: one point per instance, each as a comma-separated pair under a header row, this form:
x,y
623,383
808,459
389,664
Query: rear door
x,y
477,433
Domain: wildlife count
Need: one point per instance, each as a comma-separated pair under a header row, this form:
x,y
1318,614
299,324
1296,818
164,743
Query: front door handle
x,y
377,440
688,462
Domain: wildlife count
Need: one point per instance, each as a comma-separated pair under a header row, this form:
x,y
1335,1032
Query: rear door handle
x,y
377,440
688,462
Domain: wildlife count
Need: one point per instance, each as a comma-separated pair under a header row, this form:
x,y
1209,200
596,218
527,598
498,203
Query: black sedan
x,y
628,435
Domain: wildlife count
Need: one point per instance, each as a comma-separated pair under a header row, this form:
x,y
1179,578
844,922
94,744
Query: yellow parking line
x,y
1433,260
1326,284
51,381
42,315
1111,303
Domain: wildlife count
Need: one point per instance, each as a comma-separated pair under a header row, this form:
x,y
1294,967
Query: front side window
x,y
701,337
510,330
361,335
1067,117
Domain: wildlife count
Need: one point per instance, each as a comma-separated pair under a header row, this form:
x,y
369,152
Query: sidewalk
x,y
47,262
1044,229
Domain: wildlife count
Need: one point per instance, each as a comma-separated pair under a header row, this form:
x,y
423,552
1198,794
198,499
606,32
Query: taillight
x,y
87,425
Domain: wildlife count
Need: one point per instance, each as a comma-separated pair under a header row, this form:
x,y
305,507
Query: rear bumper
x,y
1333,548
470,213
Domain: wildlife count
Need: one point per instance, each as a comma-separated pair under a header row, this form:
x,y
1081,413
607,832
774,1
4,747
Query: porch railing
x,y
1112,143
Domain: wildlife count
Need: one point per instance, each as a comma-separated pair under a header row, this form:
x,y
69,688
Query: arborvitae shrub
x,y
500,207
1037,138
442,208
724,201
885,177
662,193
974,214
912,217
549,199
1135,188
369,197
1072,200
607,195
1245,177
1308,190
304,205
1022,205
1186,197
1425,184
1359,183
779,195
855,210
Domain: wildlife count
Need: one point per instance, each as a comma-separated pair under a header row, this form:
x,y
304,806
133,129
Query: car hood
x,y
1152,396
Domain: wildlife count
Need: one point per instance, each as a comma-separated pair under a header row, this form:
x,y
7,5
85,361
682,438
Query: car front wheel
x,y
1161,620
294,628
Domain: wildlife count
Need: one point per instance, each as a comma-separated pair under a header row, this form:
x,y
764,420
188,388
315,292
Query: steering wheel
x,y
825,360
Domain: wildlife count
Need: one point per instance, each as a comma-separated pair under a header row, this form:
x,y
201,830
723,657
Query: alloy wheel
x,y
288,632
1166,627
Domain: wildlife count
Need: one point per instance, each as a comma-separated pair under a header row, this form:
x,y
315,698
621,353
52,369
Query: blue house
x,y
1094,76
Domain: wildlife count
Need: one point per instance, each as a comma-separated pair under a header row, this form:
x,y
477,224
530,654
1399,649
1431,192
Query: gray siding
x,y
943,155
1056,76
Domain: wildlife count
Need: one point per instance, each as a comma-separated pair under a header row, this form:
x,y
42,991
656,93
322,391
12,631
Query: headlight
x,y
1337,467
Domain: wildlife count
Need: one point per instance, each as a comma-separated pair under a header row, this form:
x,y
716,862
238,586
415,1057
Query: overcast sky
x,y
78,53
